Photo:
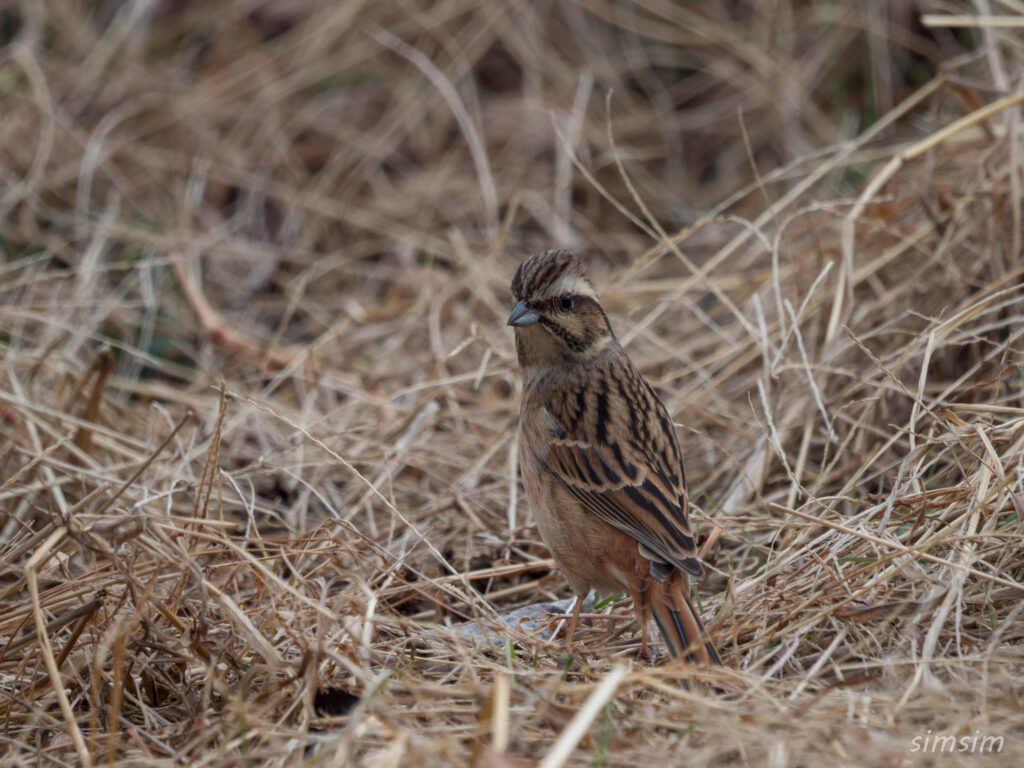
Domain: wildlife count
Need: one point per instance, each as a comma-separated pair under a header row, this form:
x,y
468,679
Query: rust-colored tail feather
x,y
679,622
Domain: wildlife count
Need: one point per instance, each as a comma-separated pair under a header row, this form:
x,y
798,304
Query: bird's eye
x,y
565,302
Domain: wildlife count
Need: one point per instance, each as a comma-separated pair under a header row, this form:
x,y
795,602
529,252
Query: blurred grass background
x,y
258,403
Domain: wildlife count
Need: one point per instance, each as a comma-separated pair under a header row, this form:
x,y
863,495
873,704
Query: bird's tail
x,y
680,624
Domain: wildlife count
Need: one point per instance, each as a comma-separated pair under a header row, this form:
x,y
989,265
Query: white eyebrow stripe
x,y
572,284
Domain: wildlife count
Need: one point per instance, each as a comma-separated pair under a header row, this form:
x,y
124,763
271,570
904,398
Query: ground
x,y
258,403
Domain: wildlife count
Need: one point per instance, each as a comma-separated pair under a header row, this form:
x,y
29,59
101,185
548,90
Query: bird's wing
x,y
612,444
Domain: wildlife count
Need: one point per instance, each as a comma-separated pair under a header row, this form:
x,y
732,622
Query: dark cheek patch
x,y
575,343
580,327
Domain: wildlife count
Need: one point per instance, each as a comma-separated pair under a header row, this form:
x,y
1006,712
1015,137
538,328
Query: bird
x,y
599,458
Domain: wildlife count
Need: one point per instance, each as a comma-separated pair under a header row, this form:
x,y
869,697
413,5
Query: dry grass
x,y
258,402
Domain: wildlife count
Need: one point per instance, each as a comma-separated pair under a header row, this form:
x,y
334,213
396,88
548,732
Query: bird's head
x,y
556,315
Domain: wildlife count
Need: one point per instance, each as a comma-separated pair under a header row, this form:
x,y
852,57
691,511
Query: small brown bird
x,y
599,457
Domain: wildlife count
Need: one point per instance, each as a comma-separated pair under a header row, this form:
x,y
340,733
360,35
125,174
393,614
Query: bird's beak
x,y
522,315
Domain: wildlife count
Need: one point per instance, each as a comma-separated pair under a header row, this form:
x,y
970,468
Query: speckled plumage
x,y
599,455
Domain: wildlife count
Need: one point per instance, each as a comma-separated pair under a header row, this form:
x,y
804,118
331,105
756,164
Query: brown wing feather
x,y
624,464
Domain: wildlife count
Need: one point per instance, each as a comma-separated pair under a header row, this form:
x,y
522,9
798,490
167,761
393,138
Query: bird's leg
x,y
642,607
572,623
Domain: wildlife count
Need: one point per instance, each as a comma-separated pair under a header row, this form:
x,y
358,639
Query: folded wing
x,y
615,449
